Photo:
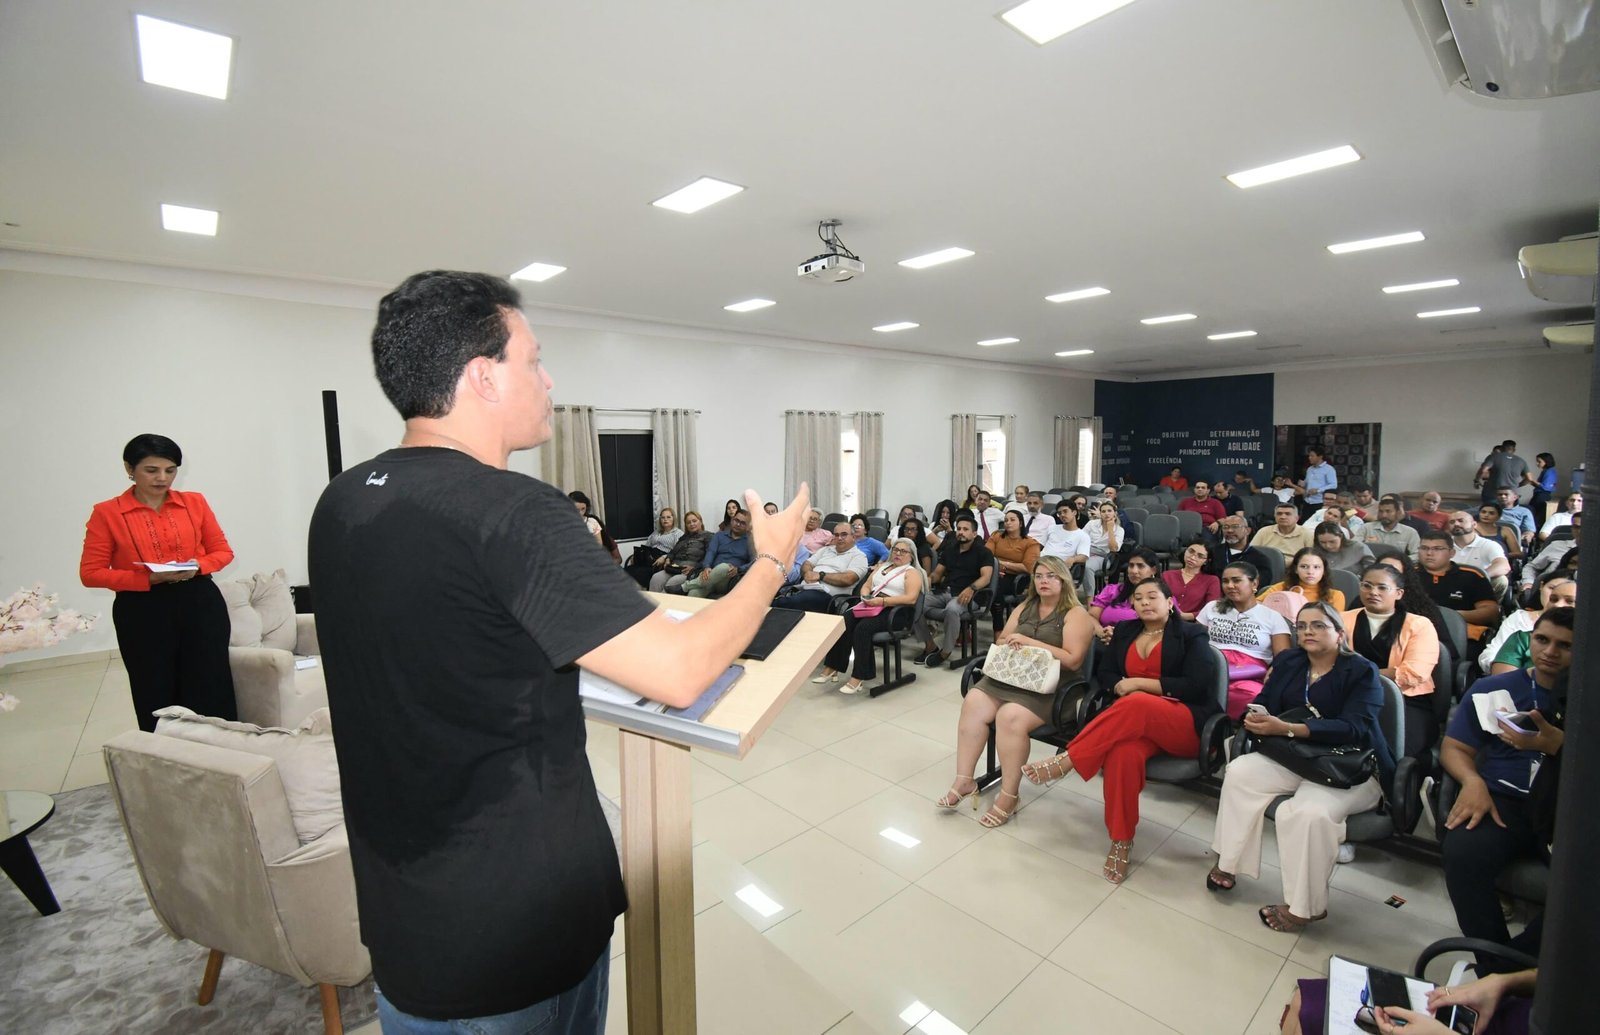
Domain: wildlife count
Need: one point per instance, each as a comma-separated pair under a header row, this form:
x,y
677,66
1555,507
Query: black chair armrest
x,y
1405,807
1066,698
1475,945
1093,703
1213,735
839,605
1241,742
970,674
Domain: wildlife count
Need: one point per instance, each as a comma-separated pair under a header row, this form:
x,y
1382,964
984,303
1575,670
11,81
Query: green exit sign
x,y
1327,420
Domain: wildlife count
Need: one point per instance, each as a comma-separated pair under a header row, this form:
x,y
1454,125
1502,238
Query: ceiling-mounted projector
x,y
836,265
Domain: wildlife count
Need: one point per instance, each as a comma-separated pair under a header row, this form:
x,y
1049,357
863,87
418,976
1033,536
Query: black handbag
x,y
1333,765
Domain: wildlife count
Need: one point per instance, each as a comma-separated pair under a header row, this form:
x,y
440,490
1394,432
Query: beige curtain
x,y
963,453
1008,431
811,455
869,429
1068,456
677,460
575,451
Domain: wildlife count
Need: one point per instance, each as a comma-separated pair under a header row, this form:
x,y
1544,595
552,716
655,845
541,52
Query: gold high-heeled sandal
x,y
953,798
1115,869
997,816
1049,771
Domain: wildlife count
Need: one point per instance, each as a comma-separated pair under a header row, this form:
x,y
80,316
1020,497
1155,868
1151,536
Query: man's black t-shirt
x,y
452,601
961,567
1457,588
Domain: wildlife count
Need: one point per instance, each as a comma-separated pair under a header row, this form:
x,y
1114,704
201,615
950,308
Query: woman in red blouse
x,y
1191,587
172,626
1160,677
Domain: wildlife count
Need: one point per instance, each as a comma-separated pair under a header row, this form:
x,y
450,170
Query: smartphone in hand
x,y
1517,722
1255,709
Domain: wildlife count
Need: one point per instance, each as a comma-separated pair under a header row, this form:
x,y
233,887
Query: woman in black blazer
x,y
1161,670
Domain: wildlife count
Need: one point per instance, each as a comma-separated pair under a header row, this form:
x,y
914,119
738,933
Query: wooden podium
x,y
657,844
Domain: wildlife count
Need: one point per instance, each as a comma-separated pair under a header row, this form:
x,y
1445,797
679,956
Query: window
x,y
627,477
849,469
991,456
1088,449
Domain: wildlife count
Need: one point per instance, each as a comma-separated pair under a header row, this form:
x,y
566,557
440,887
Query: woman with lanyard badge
x,y
172,625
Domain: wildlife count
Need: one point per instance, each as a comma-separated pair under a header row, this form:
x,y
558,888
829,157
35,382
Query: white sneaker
x,y
1347,853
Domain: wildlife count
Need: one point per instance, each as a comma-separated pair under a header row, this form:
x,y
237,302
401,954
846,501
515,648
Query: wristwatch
x,y
1290,732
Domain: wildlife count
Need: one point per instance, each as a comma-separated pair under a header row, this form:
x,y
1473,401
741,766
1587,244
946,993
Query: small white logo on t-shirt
x,y
373,479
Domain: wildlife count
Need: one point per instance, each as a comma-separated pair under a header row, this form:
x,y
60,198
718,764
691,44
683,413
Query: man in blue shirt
x,y
1319,479
1491,822
1511,509
727,558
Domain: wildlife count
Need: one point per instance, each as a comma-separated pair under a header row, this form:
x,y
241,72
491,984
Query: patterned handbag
x,y
1033,669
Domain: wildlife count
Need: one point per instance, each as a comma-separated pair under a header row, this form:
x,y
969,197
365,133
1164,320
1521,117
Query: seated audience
x,y
769,507
828,573
592,523
1429,513
1222,492
1554,555
1404,646
906,513
1340,551
1201,503
1464,590
894,582
656,546
1014,556
1235,533
1244,483
1114,603
873,549
1049,617
1285,534
1363,499
1248,634
1284,490
1571,506
1492,821
1337,513
1106,537
972,498
728,557
815,537
684,558
1066,540
965,568
1418,602
986,514
1503,1003
1341,691
1512,510
1175,481
1556,589
732,507
911,528
1388,530
1036,524
1488,525
942,523
1160,670
1472,550
1307,576
1019,499
1190,586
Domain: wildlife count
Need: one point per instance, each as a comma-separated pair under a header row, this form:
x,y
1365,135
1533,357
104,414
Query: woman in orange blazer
x,y
1404,646
172,626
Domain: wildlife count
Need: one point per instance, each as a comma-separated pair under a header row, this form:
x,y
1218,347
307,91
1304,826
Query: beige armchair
x,y
238,882
266,636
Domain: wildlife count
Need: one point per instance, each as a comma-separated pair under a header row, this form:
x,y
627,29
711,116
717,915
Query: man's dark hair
x,y
1314,449
1509,444
964,515
141,446
428,330
1359,486
1434,535
1560,617
1499,511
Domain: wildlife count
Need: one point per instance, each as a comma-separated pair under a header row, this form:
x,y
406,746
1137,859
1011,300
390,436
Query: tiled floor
x,y
984,931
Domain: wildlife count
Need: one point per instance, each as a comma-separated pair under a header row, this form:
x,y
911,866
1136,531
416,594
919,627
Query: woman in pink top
x,y
1191,587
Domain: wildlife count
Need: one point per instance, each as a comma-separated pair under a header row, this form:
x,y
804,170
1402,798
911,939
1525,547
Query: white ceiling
x,y
366,139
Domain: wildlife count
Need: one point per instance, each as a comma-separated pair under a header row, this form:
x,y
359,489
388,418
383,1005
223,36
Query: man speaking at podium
x,y
454,598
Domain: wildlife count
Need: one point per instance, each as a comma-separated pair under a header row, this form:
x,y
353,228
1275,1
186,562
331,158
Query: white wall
x,y
87,362
1441,417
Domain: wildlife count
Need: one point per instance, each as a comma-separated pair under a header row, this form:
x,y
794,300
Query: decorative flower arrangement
x,y
29,619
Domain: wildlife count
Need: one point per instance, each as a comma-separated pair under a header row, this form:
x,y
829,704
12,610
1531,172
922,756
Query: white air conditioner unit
x,y
1564,271
1514,49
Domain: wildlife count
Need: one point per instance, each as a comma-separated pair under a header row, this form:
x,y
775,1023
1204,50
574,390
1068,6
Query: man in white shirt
x,y
1036,524
1553,554
988,516
1562,517
1341,515
1474,551
1389,531
831,571
1067,541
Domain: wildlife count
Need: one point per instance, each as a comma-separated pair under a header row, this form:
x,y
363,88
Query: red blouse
x,y
1143,668
122,531
1189,597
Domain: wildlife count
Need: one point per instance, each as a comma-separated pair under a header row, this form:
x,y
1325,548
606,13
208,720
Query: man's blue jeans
x,y
580,1010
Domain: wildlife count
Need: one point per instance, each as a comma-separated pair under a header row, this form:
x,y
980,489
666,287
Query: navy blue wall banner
x,y
1209,426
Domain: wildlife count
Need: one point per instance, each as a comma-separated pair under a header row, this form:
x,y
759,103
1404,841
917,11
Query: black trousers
x,y
1422,726
174,644
1473,860
858,634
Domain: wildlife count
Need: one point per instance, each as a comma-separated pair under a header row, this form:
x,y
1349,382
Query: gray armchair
x,y
238,883
268,688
